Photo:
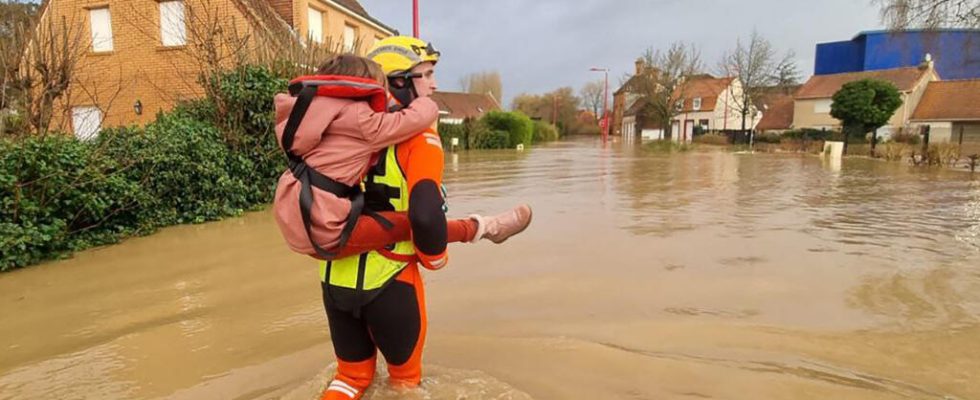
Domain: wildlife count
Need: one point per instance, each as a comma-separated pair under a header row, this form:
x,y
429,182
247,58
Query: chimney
x,y
927,62
640,65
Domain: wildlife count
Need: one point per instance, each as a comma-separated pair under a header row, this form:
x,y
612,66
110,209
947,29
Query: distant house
x,y
813,100
957,52
711,104
455,108
777,110
952,111
139,57
628,104
777,115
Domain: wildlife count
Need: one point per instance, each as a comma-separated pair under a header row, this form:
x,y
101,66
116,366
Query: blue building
x,y
956,52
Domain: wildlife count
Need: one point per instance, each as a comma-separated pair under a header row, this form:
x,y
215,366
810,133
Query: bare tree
x,y
560,107
757,70
901,14
46,66
591,95
487,82
664,90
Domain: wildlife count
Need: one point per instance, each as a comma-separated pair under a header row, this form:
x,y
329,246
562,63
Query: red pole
x,y
605,110
554,110
415,18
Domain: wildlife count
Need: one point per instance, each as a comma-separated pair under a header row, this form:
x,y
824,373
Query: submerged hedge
x,y
191,165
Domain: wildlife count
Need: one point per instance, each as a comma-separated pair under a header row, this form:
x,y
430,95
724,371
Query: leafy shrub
x,y
60,195
204,160
449,131
544,132
484,138
519,128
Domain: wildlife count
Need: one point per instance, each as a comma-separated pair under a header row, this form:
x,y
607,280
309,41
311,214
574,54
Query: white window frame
x,y
86,122
100,23
696,104
679,106
822,106
350,37
173,23
314,25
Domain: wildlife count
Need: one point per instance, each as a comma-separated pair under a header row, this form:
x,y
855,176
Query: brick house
x,y
627,120
139,60
455,108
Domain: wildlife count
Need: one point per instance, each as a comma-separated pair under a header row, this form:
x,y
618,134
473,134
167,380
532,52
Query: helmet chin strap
x,y
402,88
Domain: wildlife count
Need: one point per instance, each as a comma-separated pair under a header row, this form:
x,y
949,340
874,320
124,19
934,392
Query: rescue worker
x,y
376,301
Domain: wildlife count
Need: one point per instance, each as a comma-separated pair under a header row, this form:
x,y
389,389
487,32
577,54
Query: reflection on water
x,y
704,274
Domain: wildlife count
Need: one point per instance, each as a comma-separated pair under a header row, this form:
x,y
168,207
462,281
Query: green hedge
x,y
497,130
191,165
544,132
518,127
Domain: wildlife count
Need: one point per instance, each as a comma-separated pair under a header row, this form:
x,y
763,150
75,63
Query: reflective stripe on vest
x,y
377,269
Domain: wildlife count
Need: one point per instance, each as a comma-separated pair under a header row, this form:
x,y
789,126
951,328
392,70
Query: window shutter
x,y
314,27
86,121
350,34
173,29
101,29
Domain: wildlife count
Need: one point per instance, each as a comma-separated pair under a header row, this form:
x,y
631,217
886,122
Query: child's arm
x,y
383,129
422,158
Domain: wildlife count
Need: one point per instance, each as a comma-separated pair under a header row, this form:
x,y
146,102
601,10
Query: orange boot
x,y
352,379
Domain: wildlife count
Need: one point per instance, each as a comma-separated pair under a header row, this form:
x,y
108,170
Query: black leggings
x,y
394,322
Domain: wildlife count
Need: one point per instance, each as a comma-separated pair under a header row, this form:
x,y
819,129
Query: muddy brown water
x,y
695,275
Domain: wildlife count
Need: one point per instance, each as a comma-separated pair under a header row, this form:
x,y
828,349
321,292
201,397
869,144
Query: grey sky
x,y
540,45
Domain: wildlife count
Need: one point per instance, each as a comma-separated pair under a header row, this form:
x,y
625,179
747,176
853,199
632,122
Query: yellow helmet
x,y
402,53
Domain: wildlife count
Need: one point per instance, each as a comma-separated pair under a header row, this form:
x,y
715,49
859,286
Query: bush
x,y
767,138
895,151
904,136
516,125
809,134
60,195
449,131
712,139
485,138
544,132
197,163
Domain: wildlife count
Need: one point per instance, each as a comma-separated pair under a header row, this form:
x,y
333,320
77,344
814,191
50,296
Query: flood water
x,y
697,275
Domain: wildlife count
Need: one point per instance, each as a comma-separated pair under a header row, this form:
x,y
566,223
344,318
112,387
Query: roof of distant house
x,y
705,87
950,101
465,105
356,8
777,112
824,86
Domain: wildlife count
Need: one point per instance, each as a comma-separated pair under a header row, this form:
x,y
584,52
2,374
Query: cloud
x,y
541,45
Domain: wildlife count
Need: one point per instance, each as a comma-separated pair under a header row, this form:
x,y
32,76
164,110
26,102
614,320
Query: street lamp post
x,y
415,18
605,103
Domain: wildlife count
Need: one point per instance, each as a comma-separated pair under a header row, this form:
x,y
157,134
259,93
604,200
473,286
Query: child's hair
x,y
351,65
